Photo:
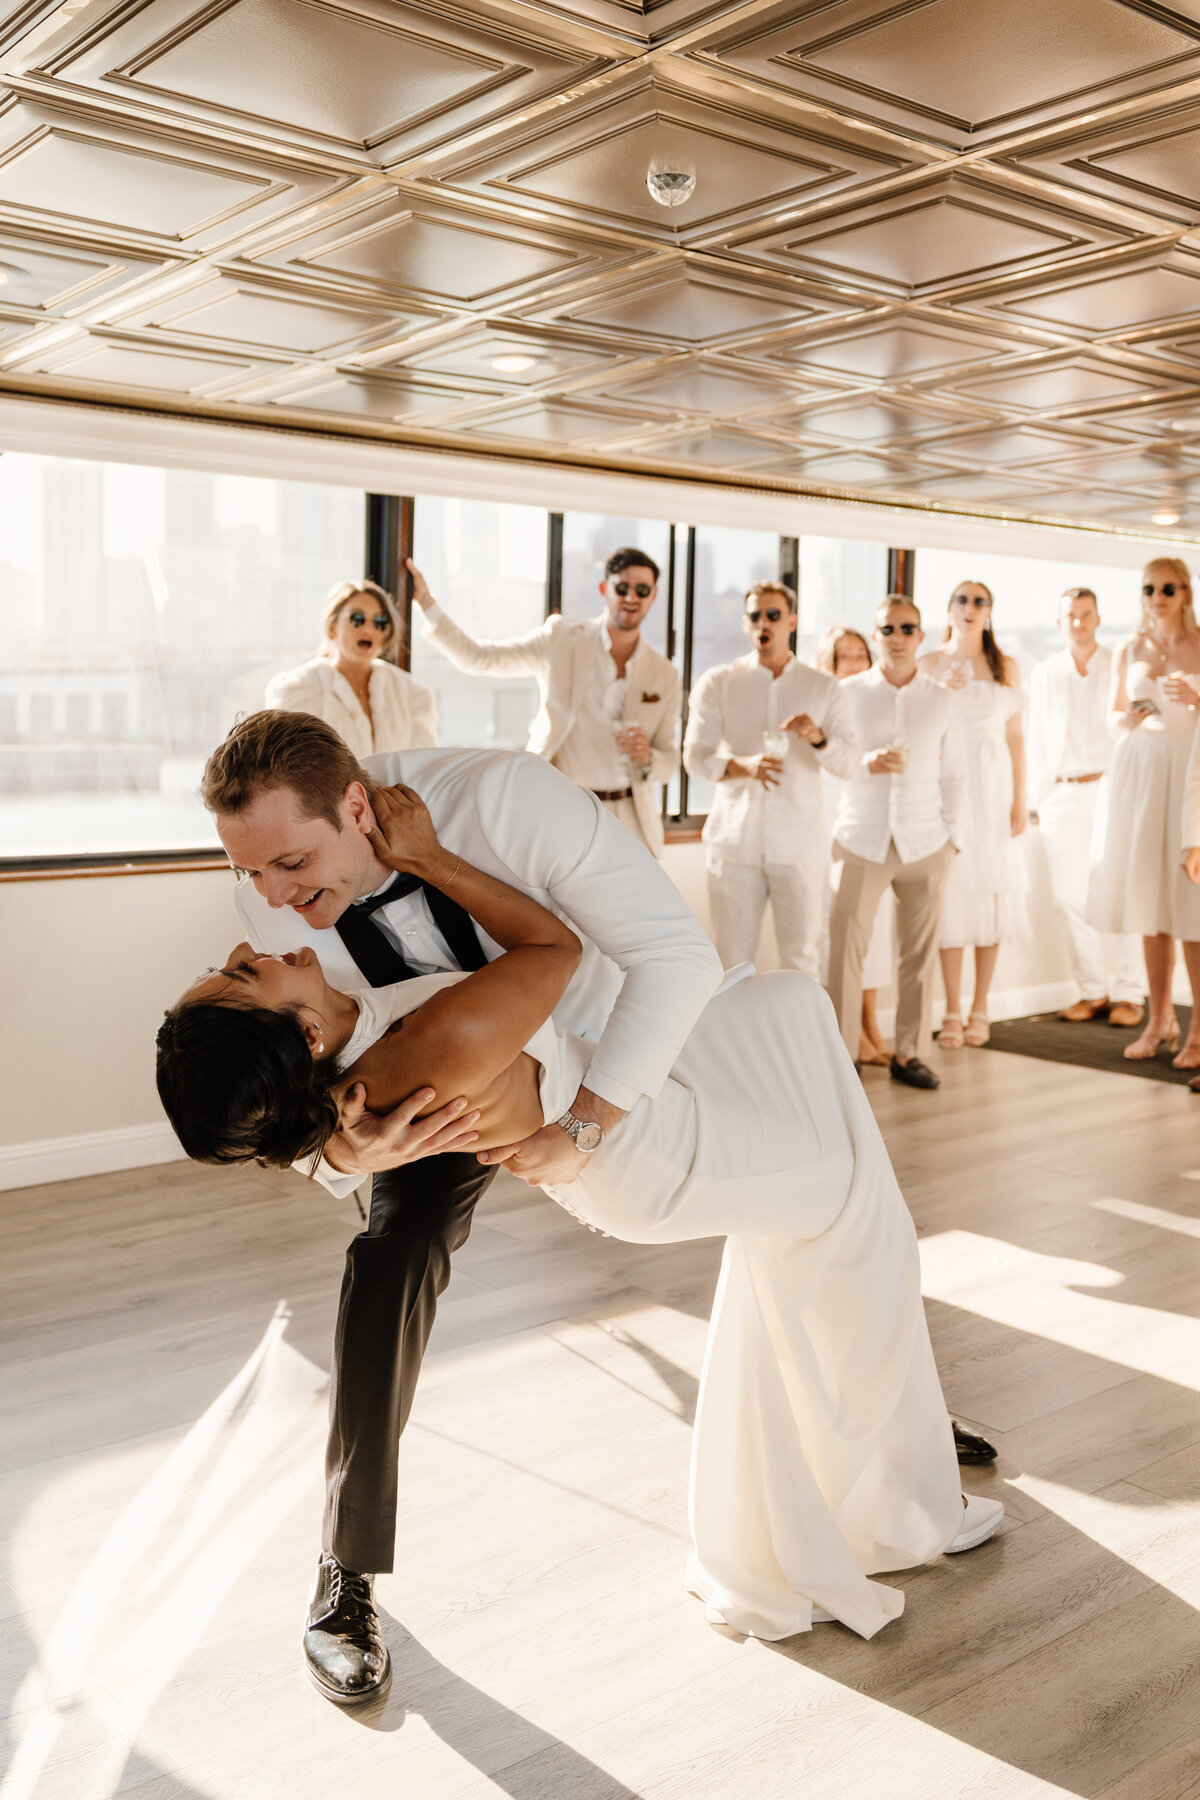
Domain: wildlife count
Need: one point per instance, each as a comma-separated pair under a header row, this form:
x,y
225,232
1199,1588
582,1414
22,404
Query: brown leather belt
x,y
612,793
1074,780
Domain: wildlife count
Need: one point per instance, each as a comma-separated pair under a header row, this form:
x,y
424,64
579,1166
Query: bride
x,y
822,1452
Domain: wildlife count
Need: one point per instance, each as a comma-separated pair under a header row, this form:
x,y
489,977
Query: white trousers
x,y
737,898
1104,965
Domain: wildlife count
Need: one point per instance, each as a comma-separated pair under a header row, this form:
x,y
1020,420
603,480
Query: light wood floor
x,y
166,1338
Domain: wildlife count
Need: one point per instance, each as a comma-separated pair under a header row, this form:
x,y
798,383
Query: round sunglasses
x,y
1168,588
643,589
380,621
975,600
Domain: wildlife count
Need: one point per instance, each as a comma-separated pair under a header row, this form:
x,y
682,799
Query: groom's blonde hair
x,y
281,749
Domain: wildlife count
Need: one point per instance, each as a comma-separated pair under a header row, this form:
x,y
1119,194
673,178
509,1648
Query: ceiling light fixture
x,y
513,364
1166,516
670,187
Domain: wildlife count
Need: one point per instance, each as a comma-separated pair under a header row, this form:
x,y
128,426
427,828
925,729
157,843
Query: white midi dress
x,y
1138,883
822,1452
985,895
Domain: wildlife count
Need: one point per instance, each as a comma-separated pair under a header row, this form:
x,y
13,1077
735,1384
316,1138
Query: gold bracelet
x,y
454,877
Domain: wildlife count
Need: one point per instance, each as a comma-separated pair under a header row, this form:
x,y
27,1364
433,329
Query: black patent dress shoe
x,y
344,1651
914,1073
974,1451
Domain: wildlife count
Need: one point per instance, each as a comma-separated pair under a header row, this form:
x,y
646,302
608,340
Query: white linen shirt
x,y
730,709
921,809
588,755
1069,731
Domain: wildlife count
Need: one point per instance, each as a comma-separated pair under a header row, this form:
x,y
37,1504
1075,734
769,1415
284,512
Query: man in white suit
x,y
1069,751
762,728
609,717
293,809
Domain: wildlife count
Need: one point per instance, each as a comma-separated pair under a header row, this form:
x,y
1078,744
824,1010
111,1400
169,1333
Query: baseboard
x,y
90,1153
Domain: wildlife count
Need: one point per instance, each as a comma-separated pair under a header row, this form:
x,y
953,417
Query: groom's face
x,y
301,862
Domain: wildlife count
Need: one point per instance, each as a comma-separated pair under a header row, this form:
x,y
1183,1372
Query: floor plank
x,y
162,1417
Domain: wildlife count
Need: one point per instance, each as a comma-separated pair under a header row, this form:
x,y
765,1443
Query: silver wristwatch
x,y
585,1134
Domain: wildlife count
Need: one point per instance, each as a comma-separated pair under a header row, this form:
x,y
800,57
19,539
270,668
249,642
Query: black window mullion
x,y
689,597
388,542
901,571
554,563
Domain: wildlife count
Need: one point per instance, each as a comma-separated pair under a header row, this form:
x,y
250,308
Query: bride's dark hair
x,y
239,1084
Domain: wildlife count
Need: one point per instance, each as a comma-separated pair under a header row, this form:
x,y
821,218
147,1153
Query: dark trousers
x,y
395,1270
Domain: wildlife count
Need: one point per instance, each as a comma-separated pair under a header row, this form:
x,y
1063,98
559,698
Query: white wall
x,y
92,963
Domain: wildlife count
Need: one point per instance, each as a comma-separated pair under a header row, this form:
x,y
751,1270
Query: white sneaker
x,y
982,1519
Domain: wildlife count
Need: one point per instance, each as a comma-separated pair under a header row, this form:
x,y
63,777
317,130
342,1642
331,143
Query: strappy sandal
x,y
978,1031
950,1037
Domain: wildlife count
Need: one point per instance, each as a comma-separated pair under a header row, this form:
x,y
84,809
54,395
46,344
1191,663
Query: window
x,y
841,583
590,538
141,610
486,564
1027,593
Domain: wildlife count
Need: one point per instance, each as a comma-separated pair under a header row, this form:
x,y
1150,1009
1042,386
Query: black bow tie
x,y
377,957
396,889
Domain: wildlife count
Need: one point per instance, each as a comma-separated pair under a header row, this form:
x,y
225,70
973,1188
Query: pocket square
x,y
650,699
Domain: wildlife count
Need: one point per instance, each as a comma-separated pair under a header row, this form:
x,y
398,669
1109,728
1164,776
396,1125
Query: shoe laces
x,y
348,1591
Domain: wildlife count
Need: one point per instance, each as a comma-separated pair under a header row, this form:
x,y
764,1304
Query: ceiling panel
x,y
943,248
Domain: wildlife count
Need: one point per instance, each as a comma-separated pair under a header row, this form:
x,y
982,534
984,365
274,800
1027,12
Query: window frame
x,y
388,531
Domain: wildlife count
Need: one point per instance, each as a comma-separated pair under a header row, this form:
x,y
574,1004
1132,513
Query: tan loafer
x,y
1126,1014
1083,1010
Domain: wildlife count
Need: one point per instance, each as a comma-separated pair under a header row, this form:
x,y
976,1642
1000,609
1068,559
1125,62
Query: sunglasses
x,y
643,589
380,621
774,613
971,600
1168,588
906,630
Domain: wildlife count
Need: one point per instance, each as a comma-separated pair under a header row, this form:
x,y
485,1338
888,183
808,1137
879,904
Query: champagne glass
x,y
775,743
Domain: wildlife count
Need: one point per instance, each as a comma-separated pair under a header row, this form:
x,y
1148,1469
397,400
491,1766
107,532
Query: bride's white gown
x,y
822,1452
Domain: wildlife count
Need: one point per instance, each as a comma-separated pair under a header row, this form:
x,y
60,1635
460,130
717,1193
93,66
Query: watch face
x,y
589,1137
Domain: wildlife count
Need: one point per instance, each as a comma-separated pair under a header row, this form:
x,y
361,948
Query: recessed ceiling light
x,y
513,364
1167,516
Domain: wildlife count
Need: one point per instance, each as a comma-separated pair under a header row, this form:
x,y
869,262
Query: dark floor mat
x,y
1095,1045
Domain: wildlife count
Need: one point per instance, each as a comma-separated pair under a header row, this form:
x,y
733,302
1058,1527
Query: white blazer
x,y
560,655
403,710
648,969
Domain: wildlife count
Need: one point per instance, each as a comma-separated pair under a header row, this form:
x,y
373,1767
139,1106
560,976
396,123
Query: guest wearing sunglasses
x,y
762,729
985,904
1139,883
898,827
353,682
609,717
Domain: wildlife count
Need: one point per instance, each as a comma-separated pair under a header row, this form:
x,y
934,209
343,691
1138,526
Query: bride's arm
x,y
464,1036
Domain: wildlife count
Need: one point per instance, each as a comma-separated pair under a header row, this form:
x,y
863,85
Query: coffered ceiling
x,y
942,251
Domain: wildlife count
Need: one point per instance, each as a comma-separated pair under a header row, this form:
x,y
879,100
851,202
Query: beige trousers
x,y
861,885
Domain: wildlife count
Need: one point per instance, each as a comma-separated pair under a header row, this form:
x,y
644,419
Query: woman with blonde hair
x,y
984,905
842,652
1138,883
353,682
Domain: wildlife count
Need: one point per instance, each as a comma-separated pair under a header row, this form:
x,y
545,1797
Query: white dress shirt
x,y
403,711
647,969
921,808
588,754
730,709
1068,720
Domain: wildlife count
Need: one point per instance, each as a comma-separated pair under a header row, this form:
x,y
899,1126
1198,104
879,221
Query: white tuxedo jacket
x,y
1191,798
560,656
403,711
647,969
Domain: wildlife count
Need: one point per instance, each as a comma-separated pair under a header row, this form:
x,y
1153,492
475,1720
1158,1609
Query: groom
x,y
293,809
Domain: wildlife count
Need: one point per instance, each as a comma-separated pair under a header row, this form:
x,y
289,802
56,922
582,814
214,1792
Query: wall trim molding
x,y
87,1153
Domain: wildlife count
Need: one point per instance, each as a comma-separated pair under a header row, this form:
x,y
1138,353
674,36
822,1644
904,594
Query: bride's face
x,y
292,982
